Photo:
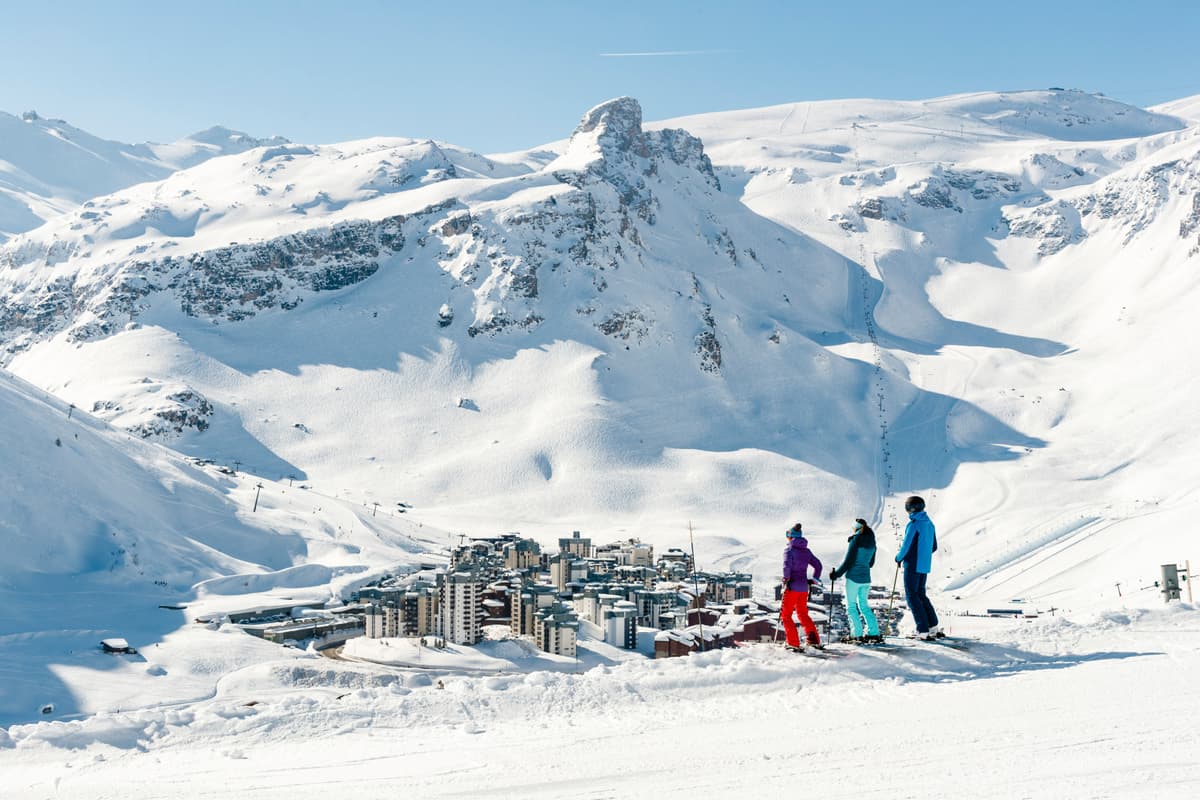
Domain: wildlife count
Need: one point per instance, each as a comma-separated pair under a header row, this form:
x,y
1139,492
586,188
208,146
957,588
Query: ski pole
x,y
696,587
829,617
779,622
892,599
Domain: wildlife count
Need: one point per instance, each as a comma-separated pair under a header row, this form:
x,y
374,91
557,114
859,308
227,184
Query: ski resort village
x,y
505,588
577,400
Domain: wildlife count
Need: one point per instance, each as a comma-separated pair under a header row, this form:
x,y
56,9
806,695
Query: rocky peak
x,y
610,142
614,125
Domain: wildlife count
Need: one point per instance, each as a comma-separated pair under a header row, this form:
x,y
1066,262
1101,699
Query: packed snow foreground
x,y
1050,708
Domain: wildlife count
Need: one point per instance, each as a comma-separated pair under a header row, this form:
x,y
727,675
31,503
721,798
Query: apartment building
x,y
620,624
522,554
556,629
525,605
460,607
410,612
576,545
628,553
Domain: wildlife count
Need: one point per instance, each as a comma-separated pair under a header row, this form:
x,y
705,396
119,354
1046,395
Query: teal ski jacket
x,y
860,557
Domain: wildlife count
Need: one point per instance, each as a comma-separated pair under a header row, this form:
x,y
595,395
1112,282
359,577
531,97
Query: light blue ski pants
x,y
856,604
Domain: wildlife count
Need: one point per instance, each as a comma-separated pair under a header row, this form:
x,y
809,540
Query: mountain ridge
x,y
48,166
649,324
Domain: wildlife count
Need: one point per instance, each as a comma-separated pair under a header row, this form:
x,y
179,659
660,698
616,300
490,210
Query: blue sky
x,y
507,75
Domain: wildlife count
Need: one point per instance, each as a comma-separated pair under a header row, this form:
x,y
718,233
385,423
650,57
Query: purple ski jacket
x,y
797,558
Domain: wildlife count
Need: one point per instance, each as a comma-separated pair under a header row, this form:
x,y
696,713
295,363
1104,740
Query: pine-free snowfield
x,y
1100,708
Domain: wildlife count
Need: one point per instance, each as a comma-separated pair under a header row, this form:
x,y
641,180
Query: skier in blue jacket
x,y
916,553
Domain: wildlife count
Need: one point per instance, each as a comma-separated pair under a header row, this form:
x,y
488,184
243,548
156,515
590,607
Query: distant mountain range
x,y
736,318
48,167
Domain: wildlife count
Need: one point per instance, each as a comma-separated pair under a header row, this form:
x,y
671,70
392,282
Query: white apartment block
x,y
620,624
461,608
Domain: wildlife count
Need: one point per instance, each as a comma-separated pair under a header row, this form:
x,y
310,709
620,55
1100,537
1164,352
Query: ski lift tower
x,y
1170,582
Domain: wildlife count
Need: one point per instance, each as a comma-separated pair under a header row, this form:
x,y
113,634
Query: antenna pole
x,y
696,586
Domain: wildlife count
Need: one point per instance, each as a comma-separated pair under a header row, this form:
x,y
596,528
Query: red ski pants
x,y
797,603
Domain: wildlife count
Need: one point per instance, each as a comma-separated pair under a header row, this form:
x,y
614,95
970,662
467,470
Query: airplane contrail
x,y
655,53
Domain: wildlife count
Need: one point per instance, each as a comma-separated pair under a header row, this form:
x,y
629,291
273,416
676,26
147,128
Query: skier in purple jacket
x,y
796,561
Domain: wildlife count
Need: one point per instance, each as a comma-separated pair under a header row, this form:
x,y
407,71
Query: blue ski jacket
x,y
920,542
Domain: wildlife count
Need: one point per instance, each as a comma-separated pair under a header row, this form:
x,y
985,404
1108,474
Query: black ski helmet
x,y
914,504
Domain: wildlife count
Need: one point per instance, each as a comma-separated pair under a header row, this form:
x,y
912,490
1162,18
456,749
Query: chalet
x,y
758,629
670,644
703,616
115,646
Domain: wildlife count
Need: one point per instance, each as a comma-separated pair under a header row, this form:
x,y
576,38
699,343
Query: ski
x,y
881,646
952,642
825,652
818,652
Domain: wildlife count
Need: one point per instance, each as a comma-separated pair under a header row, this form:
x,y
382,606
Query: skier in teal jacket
x,y
856,567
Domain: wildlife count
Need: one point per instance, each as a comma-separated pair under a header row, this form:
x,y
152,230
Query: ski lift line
x,y
884,478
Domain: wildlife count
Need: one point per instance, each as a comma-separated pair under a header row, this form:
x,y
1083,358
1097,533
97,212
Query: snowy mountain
x,y
143,535
739,318
48,167
1187,108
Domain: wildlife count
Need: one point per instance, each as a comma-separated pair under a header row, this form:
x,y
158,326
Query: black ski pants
x,y
918,601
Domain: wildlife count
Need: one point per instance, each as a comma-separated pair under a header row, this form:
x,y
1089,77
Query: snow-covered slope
x,y
928,719
991,244
106,535
808,311
1187,108
598,319
48,167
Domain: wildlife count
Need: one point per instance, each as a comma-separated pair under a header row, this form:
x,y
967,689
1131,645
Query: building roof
x,y
692,635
